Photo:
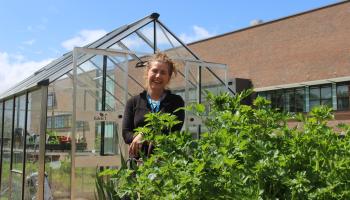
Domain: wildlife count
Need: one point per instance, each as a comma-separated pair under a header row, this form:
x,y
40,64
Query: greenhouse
x,y
62,123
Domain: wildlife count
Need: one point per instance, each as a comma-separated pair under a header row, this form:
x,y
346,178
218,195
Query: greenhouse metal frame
x,y
64,122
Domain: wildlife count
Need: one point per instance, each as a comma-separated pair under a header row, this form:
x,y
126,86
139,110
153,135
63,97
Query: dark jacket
x,y
137,107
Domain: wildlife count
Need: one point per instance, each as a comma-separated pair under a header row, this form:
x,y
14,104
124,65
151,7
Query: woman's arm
x,y
135,143
128,122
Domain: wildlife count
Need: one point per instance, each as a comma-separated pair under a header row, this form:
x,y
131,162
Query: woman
x,y
156,98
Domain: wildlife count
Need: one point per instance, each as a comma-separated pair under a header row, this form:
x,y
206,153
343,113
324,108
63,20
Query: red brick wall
x,y
305,47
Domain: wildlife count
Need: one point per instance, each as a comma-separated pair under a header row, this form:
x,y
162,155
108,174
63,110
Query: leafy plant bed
x,y
248,152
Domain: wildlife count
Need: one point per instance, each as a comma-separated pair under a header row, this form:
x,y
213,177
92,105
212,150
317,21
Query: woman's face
x,y
158,75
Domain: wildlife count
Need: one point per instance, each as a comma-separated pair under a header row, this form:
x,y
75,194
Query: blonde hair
x,y
162,58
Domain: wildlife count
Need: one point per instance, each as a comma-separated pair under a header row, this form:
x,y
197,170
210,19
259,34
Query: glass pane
x,y
145,39
58,138
111,138
290,101
343,103
16,186
5,179
342,91
85,183
268,95
278,99
327,102
58,175
165,41
18,147
116,88
210,82
300,100
91,80
32,144
136,43
19,133
314,93
326,92
314,103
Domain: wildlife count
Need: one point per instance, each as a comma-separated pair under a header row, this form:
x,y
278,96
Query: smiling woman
x,y
156,98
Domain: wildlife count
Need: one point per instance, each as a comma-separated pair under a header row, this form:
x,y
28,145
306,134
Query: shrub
x,y
248,152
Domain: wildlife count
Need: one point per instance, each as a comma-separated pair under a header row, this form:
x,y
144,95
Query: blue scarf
x,y
153,104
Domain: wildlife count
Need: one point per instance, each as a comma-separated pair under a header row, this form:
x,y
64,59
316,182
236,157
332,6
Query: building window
x,y
277,99
320,95
59,121
48,122
295,100
290,100
343,96
51,100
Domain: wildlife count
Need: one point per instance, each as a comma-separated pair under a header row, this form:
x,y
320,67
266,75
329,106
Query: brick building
x,y
297,61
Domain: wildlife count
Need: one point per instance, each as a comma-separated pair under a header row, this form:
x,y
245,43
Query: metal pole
x,y
103,103
154,36
126,73
73,146
42,135
199,95
12,143
123,148
186,94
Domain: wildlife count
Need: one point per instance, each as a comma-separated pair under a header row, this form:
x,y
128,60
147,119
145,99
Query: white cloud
x,y
14,68
199,33
83,38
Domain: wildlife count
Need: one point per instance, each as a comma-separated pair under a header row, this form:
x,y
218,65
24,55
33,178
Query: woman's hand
x,y
135,145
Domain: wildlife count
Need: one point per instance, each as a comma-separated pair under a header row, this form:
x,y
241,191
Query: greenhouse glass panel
x,y
166,41
32,144
85,182
100,93
58,137
18,147
6,149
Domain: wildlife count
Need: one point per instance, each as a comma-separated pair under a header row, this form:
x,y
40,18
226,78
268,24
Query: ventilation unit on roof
x,y
256,22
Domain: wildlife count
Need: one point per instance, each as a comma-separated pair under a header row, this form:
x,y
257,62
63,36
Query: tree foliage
x,y
248,152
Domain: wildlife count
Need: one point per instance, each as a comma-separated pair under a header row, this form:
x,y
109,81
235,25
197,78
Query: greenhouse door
x,y
100,91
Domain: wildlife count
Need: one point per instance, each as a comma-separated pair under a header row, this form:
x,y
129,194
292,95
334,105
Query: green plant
x,y
52,137
249,152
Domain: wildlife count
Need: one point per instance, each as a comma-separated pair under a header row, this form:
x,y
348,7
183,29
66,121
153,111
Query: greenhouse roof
x,y
149,33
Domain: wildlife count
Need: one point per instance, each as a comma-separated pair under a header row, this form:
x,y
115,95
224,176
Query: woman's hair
x,y
162,58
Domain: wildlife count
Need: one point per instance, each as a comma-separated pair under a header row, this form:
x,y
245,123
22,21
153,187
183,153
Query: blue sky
x,y
37,31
